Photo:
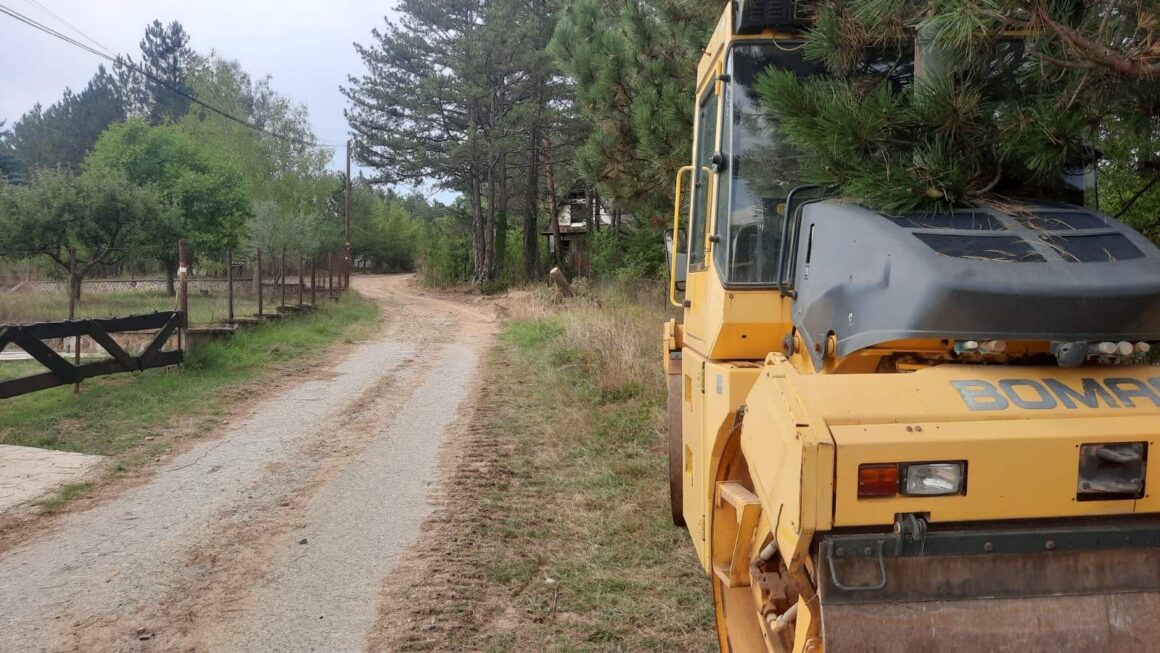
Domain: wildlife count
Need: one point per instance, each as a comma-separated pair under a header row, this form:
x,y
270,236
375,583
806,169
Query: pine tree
x,y
12,171
934,105
148,86
633,67
62,134
453,93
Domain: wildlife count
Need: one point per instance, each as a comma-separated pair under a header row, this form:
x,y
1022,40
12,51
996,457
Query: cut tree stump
x,y
561,282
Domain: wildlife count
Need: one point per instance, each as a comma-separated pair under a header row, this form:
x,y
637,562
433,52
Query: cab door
x,y
705,182
698,285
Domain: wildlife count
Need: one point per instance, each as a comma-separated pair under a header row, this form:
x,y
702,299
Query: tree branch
x,y
1093,52
1126,206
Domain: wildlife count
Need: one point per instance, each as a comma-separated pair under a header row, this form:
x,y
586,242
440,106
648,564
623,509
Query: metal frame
x,y
787,257
676,240
710,92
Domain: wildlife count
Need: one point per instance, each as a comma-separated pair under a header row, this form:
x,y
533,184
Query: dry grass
x,y
555,535
21,307
610,331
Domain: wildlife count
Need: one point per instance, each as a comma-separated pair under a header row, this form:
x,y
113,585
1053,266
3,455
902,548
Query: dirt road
x,y
277,534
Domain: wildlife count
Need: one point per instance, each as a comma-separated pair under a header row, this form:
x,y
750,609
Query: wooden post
x,y
301,277
283,278
183,282
561,282
330,276
73,292
230,284
313,281
346,261
258,276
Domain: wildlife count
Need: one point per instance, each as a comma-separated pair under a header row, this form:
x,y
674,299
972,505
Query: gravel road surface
x,y
278,534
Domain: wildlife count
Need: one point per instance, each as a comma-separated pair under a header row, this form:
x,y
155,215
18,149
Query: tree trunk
x,y
489,228
531,217
170,278
554,203
479,261
501,222
74,284
258,278
595,209
588,211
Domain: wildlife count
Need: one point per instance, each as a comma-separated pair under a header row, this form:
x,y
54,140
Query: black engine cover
x,y
753,16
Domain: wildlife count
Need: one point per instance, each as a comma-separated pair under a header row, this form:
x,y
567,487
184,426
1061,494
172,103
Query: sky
x,y
305,45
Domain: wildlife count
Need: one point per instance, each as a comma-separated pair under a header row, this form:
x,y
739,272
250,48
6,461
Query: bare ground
x,y
280,533
552,530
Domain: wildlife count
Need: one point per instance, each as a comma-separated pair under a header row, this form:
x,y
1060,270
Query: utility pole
x,y
346,252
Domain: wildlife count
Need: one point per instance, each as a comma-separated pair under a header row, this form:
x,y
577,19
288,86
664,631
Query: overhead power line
x,y
12,13
74,28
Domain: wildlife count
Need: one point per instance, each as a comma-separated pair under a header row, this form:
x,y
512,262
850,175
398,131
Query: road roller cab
x,y
892,433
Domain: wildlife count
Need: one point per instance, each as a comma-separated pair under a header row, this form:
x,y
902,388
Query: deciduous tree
x,y
206,190
100,213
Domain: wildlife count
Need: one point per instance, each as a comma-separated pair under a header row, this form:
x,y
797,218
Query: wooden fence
x,y
31,337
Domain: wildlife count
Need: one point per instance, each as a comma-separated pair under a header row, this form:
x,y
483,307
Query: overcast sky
x,y
306,45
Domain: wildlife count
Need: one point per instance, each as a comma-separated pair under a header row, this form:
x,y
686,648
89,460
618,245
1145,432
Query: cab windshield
x,y
761,168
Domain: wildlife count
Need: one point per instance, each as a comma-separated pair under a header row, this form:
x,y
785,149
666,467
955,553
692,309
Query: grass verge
x,y
556,534
118,415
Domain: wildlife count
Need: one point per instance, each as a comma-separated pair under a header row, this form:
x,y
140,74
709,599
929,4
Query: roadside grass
x,y
564,495
15,369
122,415
22,307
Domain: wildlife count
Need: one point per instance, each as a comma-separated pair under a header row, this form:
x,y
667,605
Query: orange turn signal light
x,y
877,481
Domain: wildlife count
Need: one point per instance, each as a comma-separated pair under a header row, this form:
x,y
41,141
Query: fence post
x,y
183,282
230,283
73,291
258,282
301,277
313,281
283,278
330,276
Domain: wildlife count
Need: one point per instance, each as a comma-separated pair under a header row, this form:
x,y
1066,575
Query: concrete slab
x,y
27,473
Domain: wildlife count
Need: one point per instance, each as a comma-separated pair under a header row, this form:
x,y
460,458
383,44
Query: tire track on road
x,y
205,557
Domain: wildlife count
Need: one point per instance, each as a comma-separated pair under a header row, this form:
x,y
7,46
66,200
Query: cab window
x,y
760,170
702,173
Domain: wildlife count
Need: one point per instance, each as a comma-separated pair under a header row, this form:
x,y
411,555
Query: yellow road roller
x,y
904,433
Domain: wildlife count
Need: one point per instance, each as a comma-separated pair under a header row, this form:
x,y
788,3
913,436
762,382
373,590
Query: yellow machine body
x,y
771,445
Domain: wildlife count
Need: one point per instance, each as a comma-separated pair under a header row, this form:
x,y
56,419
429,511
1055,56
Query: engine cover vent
x,y
1062,221
1095,248
959,221
1008,249
754,16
